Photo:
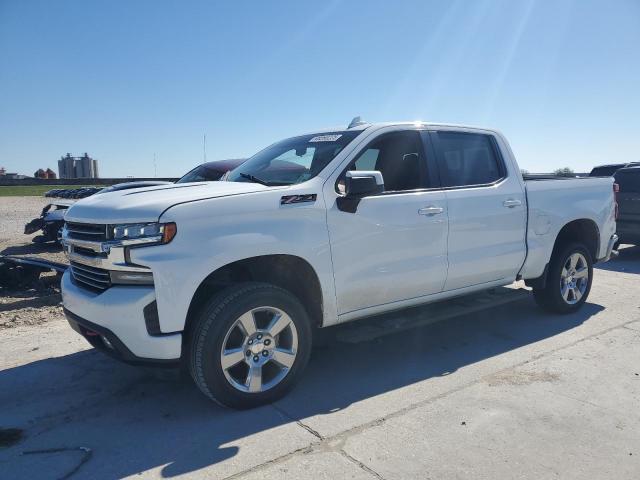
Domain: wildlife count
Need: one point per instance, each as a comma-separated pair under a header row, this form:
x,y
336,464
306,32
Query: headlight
x,y
145,232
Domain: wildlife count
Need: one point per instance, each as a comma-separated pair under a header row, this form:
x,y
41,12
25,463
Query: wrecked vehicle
x,y
50,222
51,219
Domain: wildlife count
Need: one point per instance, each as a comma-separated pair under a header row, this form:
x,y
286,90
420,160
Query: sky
x,y
127,81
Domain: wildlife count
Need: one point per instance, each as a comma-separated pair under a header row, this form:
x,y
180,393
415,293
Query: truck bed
x,y
553,202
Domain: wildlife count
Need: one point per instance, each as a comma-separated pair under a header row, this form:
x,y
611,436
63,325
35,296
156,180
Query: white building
x,y
77,167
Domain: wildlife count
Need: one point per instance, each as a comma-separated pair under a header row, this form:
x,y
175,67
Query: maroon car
x,y
211,171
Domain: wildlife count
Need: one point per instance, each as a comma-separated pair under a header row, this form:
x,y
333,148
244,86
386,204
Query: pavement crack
x,y
86,456
313,432
265,465
361,465
310,430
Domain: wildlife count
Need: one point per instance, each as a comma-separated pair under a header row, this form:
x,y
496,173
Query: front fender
x,y
215,233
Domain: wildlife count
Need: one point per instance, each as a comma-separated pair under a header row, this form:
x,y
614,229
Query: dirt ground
x,y
41,302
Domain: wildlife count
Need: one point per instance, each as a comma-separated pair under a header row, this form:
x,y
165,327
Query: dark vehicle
x,y
628,223
78,193
130,185
211,171
53,193
610,170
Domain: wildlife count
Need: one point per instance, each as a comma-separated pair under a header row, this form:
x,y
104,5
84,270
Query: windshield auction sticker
x,y
325,138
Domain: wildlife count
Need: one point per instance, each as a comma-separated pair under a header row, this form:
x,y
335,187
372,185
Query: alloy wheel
x,y
259,349
574,278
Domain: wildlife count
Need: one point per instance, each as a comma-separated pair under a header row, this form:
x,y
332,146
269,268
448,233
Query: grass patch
x,y
32,190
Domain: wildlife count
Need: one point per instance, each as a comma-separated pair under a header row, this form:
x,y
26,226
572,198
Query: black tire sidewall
x,y
217,318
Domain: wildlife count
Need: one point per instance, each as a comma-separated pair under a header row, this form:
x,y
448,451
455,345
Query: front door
x,y
394,247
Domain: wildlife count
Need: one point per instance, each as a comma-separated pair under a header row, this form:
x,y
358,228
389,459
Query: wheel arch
x,y
582,230
291,272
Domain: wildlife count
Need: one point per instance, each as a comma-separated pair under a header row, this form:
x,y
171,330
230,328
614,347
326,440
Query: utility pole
x,y
155,167
204,148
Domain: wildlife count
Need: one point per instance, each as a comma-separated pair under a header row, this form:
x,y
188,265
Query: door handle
x,y
512,202
430,210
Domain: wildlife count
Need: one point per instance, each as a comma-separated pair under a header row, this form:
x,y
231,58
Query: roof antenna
x,y
356,122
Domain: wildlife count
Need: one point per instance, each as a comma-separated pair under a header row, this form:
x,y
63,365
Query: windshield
x,y
202,173
294,160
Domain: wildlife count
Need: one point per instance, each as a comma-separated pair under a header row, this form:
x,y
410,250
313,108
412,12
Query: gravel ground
x,y
40,303
15,212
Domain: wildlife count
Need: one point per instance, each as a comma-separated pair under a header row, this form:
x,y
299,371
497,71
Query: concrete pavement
x,y
506,392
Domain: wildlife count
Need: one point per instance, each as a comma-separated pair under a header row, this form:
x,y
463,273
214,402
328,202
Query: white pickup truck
x,y
232,278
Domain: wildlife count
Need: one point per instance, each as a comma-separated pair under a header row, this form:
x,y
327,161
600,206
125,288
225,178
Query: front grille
x,y
87,231
95,279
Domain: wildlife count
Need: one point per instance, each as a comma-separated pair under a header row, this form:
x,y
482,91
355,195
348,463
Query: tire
x,y
221,335
557,296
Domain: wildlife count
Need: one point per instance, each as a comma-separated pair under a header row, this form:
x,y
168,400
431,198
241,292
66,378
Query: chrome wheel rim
x,y
259,349
574,278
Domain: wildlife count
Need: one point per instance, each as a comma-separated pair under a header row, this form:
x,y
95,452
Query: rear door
x,y
487,209
628,223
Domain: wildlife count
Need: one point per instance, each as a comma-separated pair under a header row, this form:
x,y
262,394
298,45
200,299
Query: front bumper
x,y
117,316
612,241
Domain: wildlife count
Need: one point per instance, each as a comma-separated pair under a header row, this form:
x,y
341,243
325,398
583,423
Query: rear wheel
x,y
250,345
568,280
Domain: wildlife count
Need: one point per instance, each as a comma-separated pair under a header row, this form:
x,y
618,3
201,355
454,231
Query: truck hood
x,y
147,204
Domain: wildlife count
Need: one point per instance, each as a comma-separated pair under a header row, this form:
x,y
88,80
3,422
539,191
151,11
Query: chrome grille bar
x,y
91,277
86,231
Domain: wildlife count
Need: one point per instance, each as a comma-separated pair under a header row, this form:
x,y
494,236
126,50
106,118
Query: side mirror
x,y
363,183
359,184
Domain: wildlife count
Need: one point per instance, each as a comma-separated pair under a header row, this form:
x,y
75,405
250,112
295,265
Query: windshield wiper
x,y
262,182
255,179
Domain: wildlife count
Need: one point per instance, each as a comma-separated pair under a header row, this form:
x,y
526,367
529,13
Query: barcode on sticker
x,y
325,138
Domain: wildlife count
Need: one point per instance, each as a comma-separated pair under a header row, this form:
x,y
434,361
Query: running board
x,y
371,328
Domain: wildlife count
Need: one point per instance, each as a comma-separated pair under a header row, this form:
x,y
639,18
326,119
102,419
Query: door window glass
x,y
467,159
398,156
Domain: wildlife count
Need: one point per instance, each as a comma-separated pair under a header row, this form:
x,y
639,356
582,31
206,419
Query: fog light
x,y
131,278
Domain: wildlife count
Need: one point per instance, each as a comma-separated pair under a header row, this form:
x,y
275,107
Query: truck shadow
x,y
32,249
628,261
134,422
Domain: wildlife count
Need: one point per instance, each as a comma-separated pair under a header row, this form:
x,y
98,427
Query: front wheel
x,y
568,280
250,345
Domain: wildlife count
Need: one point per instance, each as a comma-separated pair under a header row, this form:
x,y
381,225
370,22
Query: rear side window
x,y
606,171
628,180
467,159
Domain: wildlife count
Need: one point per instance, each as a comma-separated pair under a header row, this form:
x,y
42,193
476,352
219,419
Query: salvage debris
x,y
20,272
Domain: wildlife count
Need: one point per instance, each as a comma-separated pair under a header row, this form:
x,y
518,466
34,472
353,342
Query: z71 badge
x,y
306,198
